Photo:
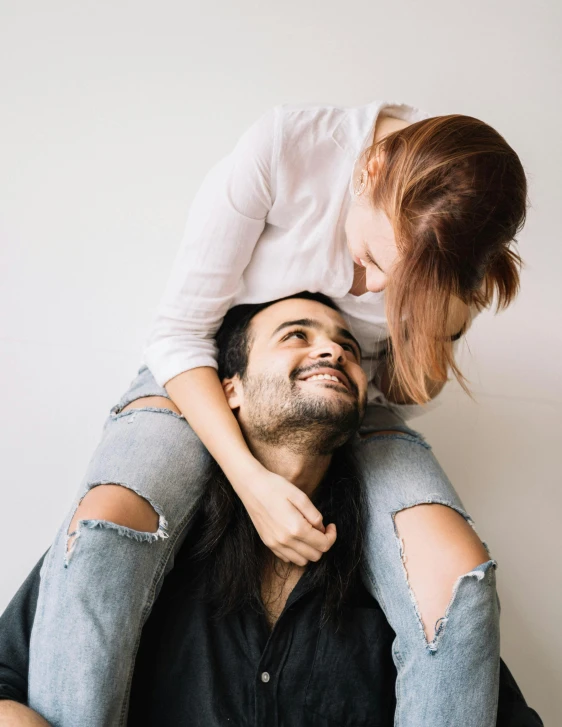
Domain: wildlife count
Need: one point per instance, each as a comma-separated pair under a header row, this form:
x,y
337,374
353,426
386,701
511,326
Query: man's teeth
x,y
328,377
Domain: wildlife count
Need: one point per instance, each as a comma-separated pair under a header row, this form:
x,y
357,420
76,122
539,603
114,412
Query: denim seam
x,y
396,654
373,436
379,597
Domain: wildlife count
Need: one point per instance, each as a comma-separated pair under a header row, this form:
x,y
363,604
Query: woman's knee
x,y
116,507
143,481
438,547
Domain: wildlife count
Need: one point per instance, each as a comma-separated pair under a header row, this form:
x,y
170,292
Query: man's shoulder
x,y
24,601
16,624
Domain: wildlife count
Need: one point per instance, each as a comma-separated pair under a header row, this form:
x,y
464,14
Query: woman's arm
x,y
226,219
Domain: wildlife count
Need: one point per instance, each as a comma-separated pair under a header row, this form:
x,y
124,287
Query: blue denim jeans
x,y
94,599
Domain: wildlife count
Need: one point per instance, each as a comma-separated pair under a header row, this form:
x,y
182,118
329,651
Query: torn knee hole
x,y
438,547
117,507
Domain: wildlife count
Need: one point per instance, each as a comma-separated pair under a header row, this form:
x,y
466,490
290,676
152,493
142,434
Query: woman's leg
x,y
106,566
433,577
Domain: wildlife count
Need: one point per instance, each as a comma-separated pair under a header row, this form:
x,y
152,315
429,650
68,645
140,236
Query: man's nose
x,y
329,351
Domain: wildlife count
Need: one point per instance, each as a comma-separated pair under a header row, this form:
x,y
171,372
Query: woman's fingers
x,y
331,533
312,544
317,540
288,555
287,521
304,505
314,538
301,552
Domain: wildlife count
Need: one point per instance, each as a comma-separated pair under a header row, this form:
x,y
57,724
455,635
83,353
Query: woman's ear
x,y
232,388
374,164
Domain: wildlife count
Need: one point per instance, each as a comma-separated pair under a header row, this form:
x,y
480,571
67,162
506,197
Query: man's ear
x,y
233,391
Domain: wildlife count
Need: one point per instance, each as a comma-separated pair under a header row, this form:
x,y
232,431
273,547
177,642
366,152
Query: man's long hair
x,y
235,558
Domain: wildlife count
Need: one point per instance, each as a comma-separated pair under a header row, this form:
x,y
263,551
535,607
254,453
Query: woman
x,y
406,221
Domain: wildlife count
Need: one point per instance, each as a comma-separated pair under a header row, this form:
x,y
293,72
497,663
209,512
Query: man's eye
x,y
349,346
295,333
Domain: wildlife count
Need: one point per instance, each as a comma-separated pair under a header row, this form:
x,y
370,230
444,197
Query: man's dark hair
x,y
234,554
233,337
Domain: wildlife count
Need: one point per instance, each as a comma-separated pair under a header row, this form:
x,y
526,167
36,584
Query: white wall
x,y
111,112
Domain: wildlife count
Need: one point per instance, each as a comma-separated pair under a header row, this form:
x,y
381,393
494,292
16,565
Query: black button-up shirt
x,y
192,669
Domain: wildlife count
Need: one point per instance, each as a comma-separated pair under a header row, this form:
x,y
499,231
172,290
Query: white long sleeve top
x,y
267,222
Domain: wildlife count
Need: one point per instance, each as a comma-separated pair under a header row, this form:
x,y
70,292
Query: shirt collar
x,y
304,585
353,132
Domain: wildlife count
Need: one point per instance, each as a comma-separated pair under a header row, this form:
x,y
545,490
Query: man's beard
x,y
280,412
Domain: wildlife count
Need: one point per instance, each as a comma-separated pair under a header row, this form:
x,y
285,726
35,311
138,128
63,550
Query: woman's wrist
x,y
241,472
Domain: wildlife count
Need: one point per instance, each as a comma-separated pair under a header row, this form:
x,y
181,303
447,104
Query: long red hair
x,y
456,195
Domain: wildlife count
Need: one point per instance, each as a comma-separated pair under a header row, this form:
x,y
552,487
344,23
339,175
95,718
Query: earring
x,y
363,179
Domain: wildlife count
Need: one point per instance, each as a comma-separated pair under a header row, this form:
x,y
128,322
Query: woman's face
x,y
371,242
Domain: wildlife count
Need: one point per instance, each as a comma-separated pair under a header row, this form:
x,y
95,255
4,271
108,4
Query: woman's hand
x,y
285,518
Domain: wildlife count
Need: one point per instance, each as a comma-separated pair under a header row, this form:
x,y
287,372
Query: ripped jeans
x,y
94,599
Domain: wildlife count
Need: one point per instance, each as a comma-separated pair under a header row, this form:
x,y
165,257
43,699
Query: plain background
x,y
111,113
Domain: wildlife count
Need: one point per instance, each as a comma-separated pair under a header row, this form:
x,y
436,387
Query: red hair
x,y
456,195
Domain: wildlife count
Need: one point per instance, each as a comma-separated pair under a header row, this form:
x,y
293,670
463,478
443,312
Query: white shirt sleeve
x,y
225,221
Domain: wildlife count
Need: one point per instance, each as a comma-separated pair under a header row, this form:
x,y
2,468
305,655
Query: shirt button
x,y
265,676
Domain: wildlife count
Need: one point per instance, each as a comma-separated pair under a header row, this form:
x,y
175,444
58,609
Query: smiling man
x,y
237,636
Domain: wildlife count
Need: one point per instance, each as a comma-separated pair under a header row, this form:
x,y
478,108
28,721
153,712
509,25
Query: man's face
x,y
304,386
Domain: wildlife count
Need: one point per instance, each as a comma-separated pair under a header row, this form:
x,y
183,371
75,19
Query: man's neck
x,y
304,469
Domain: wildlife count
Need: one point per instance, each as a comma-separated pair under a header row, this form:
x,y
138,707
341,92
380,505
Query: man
x,y
237,637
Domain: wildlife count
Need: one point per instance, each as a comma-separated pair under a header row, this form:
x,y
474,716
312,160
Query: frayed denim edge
x,y
139,535
432,645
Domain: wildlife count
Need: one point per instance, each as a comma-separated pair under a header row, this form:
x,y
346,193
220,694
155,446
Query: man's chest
x,y
193,668
276,588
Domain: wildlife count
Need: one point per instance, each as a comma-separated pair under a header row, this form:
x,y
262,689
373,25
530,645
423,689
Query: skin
x,y
369,232
14,714
304,350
